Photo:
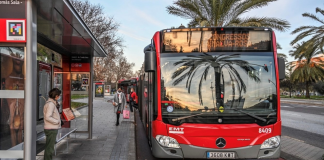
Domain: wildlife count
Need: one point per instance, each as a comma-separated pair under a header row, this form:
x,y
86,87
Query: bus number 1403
x,y
264,130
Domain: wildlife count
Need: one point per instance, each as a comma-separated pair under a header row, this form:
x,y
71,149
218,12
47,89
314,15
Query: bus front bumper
x,y
190,151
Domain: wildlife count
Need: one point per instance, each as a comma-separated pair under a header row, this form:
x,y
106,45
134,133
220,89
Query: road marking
x,y
314,106
287,107
294,114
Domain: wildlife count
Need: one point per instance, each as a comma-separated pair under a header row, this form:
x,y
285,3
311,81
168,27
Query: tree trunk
x,y
219,101
290,89
307,90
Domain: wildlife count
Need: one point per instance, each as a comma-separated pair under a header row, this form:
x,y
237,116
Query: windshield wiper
x,y
252,115
184,117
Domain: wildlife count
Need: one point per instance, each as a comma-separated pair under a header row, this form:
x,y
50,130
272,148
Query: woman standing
x,y
119,103
52,122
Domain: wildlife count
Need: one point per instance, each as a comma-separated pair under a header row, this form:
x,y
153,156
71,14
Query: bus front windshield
x,y
206,87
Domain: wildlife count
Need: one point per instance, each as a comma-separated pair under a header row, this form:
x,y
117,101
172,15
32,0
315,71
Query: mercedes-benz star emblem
x,y
220,142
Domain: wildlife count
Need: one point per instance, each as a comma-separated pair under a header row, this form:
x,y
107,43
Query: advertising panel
x,y
85,81
99,90
11,109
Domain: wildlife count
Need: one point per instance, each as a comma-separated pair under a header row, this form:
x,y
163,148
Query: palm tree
x,y
304,50
224,13
218,63
315,33
309,69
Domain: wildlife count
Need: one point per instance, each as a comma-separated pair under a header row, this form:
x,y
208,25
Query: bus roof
x,y
216,28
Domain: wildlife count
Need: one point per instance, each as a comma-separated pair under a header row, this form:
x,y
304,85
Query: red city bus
x,y
212,93
123,85
126,86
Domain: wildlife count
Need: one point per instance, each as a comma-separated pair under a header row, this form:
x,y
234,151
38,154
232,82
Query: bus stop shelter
x,y
43,45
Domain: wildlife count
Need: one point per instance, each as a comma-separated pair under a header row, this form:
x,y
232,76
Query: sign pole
x,y
30,83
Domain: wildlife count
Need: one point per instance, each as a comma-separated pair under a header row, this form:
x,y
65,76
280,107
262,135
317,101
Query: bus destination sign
x,y
224,40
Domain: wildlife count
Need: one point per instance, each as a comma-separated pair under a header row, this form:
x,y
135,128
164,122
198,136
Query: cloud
x,y
140,38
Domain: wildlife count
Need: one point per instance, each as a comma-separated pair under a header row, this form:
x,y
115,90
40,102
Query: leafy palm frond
x,y
313,34
278,46
312,16
224,13
280,25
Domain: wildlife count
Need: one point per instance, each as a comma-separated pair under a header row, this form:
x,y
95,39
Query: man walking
x,y
119,103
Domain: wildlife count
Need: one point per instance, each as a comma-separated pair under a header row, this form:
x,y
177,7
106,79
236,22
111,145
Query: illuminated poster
x,y
85,81
99,90
12,109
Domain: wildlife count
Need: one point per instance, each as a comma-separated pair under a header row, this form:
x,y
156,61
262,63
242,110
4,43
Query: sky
x,y
140,19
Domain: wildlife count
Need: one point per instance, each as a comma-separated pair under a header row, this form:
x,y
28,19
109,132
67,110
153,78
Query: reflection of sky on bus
x,y
189,41
255,91
140,19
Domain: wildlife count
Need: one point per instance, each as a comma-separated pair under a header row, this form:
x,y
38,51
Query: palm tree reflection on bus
x,y
219,63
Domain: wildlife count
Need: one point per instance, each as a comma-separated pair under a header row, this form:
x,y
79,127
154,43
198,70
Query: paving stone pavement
x,y
109,141
301,149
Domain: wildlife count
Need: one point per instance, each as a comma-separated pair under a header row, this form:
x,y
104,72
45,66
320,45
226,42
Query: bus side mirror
x,y
281,68
150,61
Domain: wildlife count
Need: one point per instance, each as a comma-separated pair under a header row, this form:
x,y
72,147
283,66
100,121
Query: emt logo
x,y
176,130
16,30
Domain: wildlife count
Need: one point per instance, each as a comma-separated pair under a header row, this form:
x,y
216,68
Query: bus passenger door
x,y
151,103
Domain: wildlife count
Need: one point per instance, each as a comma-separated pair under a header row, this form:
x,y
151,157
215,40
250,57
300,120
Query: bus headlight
x,y
272,142
167,141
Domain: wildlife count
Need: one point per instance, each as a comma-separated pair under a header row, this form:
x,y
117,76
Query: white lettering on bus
x,y
177,130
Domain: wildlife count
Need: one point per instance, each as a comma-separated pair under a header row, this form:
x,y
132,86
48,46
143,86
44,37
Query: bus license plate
x,y
221,155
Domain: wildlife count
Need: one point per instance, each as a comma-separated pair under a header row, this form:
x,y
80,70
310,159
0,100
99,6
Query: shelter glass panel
x,y
80,100
12,102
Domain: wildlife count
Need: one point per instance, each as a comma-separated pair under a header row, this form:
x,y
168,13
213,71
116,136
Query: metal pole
x,y
30,83
90,98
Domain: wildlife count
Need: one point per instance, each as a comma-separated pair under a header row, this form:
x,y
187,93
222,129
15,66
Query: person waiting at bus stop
x,y
52,122
119,103
132,99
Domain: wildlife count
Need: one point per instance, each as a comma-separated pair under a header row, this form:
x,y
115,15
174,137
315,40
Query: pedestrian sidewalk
x,y
109,142
301,149
302,101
